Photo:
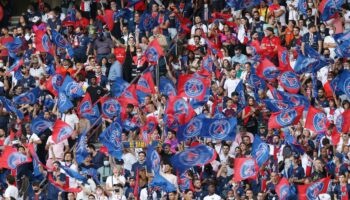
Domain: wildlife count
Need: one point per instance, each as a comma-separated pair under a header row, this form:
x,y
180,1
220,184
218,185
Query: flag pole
x,y
157,73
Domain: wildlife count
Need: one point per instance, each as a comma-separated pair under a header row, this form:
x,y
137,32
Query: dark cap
x,y
269,29
339,156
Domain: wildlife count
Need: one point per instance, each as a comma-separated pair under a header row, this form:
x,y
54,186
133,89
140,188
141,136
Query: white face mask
x,y
106,163
139,54
331,32
1,65
310,4
27,36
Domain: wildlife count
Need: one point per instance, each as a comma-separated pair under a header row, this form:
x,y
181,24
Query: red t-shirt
x,y
270,44
3,41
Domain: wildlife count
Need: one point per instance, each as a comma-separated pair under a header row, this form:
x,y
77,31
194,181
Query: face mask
x,y
139,54
50,17
205,5
106,163
65,66
27,36
331,32
1,65
247,16
322,29
310,4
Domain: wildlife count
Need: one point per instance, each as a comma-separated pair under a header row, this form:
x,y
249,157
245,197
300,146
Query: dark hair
x,y
91,146
10,179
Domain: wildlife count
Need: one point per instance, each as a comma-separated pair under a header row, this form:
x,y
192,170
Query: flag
x,y
192,86
328,9
147,22
166,87
260,151
10,107
240,5
153,160
267,70
276,105
290,82
118,87
292,142
39,125
146,84
283,189
285,117
132,2
64,188
193,156
316,120
14,67
154,51
85,105
213,49
129,96
110,107
341,83
283,59
93,115
311,191
160,182
54,83
11,158
30,97
303,63
302,7
294,99
256,82
184,182
181,108
207,66
343,122
219,129
61,131
73,174
13,46
245,168
71,88
111,138
81,148
108,17
148,129
241,97
64,103
61,42
42,42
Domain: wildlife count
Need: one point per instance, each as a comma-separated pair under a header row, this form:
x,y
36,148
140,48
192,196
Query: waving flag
x,y
295,99
166,87
316,120
146,84
81,148
64,103
286,117
256,82
343,122
207,66
328,9
219,129
191,86
161,182
311,191
110,107
283,59
147,23
42,42
10,107
260,151
54,83
342,50
267,70
39,125
153,160
292,142
194,156
241,97
118,87
30,97
85,105
184,182
14,46
148,129
240,5
111,138
290,82
11,158
61,42
245,168
283,189
213,48
129,96
341,83
72,88
275,105
181,108
303,63
61,131
73,174
93,115
14,67
154,51
302,7
59,187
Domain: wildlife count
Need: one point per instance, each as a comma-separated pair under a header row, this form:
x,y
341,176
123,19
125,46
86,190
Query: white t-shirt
x,y
112,180
230,85
212,197
11,191
37,73
204,29
330,39
58,149
129,160
72,181
70,119
281,18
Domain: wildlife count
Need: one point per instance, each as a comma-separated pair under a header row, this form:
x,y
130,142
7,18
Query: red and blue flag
x,y
71,88
285,117
283,189
61,131
153,52
118,87
61,42
64,103
341,83
11,158
294,99
191,86
241,96
42,42
245,168
147,22
312,190
290,82
93,115
129,96
10,107
153,160
167,87
267,70
342,122
260,151
81,148
283,59
179,107
111,138
39,125
110,107
85,105
145,83
276,105
14,46
74,174
328,8
15,66
30,97
54,83
316,120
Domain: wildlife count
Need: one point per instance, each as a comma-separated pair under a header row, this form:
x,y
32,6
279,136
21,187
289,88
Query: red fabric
x,y
61,131
129,96
87,97
120,54
270,44
281,194
315,188
64,188
4,40
82,22
146,84
11,158
283,59
245,168
185,112
263,65
108,18
346,121
185,83
310,118
274,122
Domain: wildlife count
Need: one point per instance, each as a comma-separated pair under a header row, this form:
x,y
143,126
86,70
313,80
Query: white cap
x,y
35,19
324,196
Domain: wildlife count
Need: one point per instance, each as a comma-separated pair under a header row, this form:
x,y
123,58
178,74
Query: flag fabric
x,y
207,66
194,156
289,82
58,186
181,108
245,168
30,97
73,174
11,158
110,107
39,125
191,86
154,51
15,66
219,129
328,9
292,142
61,131
93,115
85,105
342,122
111,138
146,84
147,23
129,96
303,63
166,87
54,83
283,189
10,107
285,118
260,151
241,97
316,120
294,99
240,5
341,83
81,148
118,87
213,48
108,18
311,191
64,103
148,129
61,42
71,88
42,42
302,7
161,182
256,82
276,105
153,160
14,46
267,70
283,59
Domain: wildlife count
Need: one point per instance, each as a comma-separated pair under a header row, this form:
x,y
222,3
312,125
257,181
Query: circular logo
x,y
248,169
219,129
314,190
290,80
40,126
72,88
27,98
195,156
169,90
152,54
286,117
284,190
15,159
62,98
85,107
339,123
180,107
194,88
347,87
319,122
270,72
261,155
143,83
111,108
56,81
193,128
64,133
281,105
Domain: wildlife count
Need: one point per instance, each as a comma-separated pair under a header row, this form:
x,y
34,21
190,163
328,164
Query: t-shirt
x,y
11,191
312,40
112,180
58,149
70,119
230,85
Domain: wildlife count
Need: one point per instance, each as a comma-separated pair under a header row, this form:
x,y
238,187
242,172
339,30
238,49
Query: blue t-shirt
x,y
312,41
